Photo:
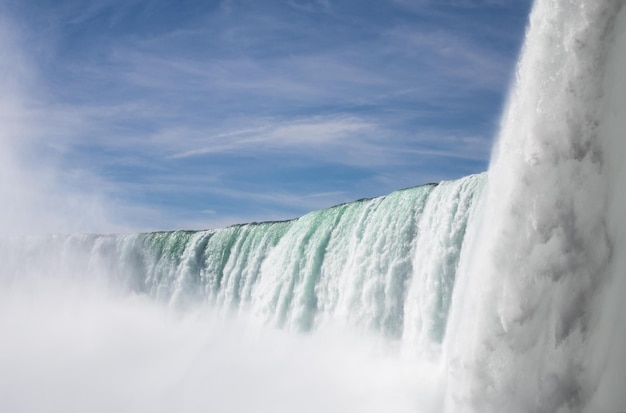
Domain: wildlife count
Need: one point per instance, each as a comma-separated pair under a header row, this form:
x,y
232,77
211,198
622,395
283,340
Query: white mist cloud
x,y
79,349
38,193
20,190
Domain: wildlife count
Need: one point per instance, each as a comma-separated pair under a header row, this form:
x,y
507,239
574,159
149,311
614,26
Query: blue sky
x,y
196,114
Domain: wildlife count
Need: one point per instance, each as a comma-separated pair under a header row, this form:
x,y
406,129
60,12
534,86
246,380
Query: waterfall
x,y
499,292
384,265
532,318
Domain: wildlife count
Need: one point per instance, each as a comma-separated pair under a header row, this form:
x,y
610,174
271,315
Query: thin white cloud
x,y
286,200
151,106
308,6
421,5
322,134
458,61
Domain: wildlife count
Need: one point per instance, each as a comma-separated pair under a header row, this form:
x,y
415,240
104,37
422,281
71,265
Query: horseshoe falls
x,y
379,270
353,263
498,292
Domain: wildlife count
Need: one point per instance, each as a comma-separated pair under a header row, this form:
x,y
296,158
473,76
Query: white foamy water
x,y
538,316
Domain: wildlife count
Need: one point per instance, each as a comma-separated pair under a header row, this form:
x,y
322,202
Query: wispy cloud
x,y
420,5
317,133
463,63
314,6
272,102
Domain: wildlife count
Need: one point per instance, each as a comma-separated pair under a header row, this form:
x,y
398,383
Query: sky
x,y
158,114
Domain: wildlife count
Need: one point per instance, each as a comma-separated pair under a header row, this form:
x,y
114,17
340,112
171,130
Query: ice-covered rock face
x,y
530,321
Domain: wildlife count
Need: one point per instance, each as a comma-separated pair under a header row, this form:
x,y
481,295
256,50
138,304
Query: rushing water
x,y
355,263
499,292
538,319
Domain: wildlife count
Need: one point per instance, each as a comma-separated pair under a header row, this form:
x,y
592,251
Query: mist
x,y
83,349
38,193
